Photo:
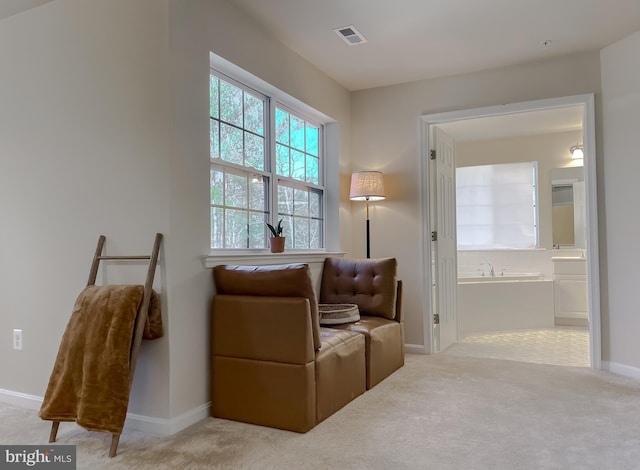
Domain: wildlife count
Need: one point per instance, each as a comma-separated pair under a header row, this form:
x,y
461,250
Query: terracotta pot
x,y
277,244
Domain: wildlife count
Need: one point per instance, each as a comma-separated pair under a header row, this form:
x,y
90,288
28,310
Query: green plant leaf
x,y
276,231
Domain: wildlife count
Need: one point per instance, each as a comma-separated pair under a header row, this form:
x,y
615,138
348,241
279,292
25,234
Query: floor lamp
x,y
367,186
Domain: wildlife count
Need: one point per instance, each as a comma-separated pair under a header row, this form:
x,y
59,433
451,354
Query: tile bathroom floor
x,y
562,346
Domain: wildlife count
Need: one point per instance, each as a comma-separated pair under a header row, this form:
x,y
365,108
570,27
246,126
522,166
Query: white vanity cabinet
x,y
570,290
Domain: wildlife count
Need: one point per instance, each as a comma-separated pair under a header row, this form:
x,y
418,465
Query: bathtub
x,y
511,302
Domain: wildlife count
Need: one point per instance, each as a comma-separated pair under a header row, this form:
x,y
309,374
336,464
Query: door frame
x,y
589,143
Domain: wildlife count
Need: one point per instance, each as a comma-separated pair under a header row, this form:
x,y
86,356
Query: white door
x,y
445,249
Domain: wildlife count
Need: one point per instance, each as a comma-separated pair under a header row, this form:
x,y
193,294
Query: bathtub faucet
x,y
492,273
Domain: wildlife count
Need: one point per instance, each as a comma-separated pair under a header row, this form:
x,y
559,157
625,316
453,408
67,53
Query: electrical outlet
x,y
17,339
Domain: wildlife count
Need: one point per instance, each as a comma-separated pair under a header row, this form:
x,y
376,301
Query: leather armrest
x,y
276,329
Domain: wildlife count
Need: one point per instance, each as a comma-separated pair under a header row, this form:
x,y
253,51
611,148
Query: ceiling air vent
x,y
350,35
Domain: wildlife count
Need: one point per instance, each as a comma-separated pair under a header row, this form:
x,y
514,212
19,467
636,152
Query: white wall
x,y
83,152
621,115
386,134
104,128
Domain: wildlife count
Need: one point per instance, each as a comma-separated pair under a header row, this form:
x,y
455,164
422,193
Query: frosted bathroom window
x,y
497,206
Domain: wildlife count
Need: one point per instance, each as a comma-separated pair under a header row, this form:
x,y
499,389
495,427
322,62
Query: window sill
x,y
262,258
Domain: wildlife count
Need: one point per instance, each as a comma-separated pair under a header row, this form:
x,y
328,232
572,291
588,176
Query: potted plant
x,y
277,240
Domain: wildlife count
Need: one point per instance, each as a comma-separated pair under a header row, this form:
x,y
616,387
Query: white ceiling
x,y
410,40
418,39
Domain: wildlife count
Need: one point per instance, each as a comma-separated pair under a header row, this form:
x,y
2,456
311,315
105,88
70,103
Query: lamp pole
x,y
368,243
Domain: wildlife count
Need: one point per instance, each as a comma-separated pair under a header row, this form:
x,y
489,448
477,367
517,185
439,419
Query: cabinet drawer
x,y
570,267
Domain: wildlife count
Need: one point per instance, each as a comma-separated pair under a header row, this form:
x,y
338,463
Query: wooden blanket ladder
x,y
140,318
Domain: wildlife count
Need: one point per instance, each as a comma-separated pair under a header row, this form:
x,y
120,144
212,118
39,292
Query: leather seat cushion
x,y
384,345
340,370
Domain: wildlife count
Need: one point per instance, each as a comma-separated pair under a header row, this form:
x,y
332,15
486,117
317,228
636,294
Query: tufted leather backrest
x,y
370,283
284,280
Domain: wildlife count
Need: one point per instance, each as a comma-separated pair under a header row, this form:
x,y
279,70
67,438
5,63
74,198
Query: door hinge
x,y
434,236
436,319
432,154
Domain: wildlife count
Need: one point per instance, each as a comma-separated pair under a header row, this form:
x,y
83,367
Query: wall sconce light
x,y
367,186
577,152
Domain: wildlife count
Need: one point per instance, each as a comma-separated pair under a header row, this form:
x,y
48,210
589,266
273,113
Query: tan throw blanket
x,y
90,382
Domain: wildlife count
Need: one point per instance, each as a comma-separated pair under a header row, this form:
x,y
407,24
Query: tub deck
x,y
506,277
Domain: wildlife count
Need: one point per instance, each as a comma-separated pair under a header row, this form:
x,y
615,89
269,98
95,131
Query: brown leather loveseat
x,y
271,362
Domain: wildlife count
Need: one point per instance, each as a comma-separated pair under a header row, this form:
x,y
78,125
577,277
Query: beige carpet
x,y
438,412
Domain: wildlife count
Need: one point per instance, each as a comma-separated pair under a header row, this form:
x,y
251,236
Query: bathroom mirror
x,y
568,207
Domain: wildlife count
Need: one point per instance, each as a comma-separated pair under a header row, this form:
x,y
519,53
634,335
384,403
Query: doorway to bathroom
x,y
511,290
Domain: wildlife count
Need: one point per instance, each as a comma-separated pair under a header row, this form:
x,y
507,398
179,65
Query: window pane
x,y
479,196
231,144
312,170
230,104
312,140
301,233
235,191
257,230
236,229
253,114
216,182
297,165
315,235
287,230
254,151
217,227
282,160
257,192
301,203
285,200
213,96
315,205
297,132
214,137
282,126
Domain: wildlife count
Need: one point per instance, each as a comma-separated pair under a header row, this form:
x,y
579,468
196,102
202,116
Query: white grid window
x,y
258,170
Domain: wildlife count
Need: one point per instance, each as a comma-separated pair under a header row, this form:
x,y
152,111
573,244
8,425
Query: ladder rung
x,y
124,257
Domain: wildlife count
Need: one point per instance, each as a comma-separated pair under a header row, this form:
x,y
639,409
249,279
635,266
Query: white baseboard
x,y
414,349
134,422
23,400
621,369
163,426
